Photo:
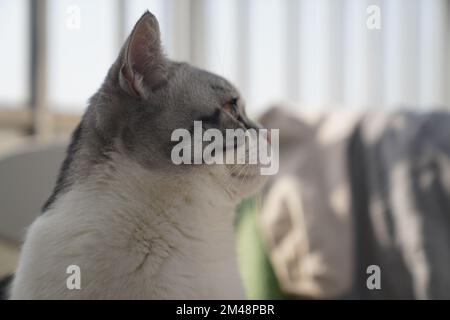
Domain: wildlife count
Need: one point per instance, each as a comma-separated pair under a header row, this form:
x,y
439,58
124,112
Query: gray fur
x,y
139,123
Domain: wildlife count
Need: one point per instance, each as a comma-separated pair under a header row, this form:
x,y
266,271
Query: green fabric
x,y
257,273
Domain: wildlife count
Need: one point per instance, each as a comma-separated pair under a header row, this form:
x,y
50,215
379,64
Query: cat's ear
x,y
144,66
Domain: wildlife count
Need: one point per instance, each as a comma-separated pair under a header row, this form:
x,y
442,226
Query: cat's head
x,y
145,97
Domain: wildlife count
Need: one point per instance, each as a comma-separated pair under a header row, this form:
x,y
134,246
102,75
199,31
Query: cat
x,y
135,224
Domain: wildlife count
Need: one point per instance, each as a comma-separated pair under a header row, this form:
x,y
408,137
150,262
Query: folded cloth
x,y
356,190
305,215
400,172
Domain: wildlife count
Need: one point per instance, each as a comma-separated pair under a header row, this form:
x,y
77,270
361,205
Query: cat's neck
x,y
188,199
194,220
193,205
179,228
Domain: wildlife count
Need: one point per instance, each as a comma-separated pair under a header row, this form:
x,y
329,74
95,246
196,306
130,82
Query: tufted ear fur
x,y
144,66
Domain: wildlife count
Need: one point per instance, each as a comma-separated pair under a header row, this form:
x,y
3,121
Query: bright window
x,y
14,58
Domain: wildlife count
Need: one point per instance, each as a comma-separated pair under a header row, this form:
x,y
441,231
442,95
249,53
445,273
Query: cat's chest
x,y
196,262
207,271
185,249
167,244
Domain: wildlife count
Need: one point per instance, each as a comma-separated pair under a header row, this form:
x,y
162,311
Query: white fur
x,y
135,234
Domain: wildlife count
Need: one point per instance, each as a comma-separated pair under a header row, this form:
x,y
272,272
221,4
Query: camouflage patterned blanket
x,y
357,190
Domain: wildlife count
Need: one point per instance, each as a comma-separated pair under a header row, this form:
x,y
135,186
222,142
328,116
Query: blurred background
x,y
307,55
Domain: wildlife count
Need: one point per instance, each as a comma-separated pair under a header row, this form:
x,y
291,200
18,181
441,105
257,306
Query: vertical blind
x,y
312,54
318,54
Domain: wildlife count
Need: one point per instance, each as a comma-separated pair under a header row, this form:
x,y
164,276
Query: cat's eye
x,y
231,107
